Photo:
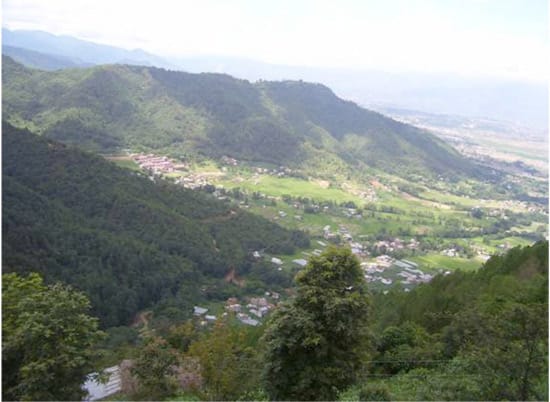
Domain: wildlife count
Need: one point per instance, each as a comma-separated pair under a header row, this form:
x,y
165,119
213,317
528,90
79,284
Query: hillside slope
x,y
476,336
108,108
125,241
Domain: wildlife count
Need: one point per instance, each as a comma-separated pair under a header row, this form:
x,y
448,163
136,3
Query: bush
x,y
374,393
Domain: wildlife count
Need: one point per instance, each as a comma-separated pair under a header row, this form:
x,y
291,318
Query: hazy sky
x,y
474,37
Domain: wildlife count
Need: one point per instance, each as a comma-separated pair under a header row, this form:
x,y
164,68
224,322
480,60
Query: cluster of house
x,y
158,164
352,213
227,160
411,273
356,248
201,313
193,181
250,313
256,308
342,232
405,269
515,205
481,252
281,171
450,252
391,245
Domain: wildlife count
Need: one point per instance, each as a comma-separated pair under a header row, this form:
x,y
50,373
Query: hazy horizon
x,y
477,39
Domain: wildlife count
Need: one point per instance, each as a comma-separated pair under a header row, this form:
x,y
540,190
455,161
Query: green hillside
x,y
297,124
479,335
124,240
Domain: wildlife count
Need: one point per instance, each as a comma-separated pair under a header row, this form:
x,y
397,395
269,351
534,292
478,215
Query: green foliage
x,y
229,363
155,369
181,336
404,347
469,336
293,123
374,393
316,343
125,241
47,336
508,349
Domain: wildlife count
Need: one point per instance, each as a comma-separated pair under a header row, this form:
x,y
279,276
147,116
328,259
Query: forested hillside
x,y
125,241
467,336
480,335
114,107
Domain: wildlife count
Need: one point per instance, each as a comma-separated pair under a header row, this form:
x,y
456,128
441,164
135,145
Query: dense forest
x,y
465,336
298,124
124,240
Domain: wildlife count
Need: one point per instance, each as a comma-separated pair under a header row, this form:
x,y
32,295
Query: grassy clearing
x,y
125,163
450,199
206,167
438,261
277,187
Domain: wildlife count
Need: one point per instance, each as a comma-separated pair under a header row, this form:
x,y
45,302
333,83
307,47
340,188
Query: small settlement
x,y
251,311
158,164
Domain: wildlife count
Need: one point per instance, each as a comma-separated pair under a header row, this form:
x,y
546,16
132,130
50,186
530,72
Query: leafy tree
x,y
316,343
46,340
404,347
182,335
470,336
155,368
509,351
229,361
374,393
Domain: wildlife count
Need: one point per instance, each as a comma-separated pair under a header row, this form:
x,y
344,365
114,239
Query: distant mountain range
x,y
516,102
74,51
302,125
39,60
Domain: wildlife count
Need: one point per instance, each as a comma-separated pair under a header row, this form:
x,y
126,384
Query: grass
x,y
275,186
446,198
437,261
125,163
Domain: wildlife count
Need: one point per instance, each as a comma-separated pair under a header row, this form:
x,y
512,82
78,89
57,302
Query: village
x,y
250,312
382,258
382,269
158,164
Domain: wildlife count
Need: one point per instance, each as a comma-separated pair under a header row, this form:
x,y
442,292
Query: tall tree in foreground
x,y
46,340
316,343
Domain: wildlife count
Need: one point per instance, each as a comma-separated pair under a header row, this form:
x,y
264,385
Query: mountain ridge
x,y
105,108
443,93
77,50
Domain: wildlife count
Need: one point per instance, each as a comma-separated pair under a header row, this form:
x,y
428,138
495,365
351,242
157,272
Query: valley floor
x,y
436,227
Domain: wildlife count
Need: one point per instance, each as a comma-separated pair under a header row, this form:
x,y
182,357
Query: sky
x,y
498,38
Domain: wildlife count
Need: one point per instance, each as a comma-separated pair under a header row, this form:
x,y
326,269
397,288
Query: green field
x,y
275,186
434,216
438,261
125,163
